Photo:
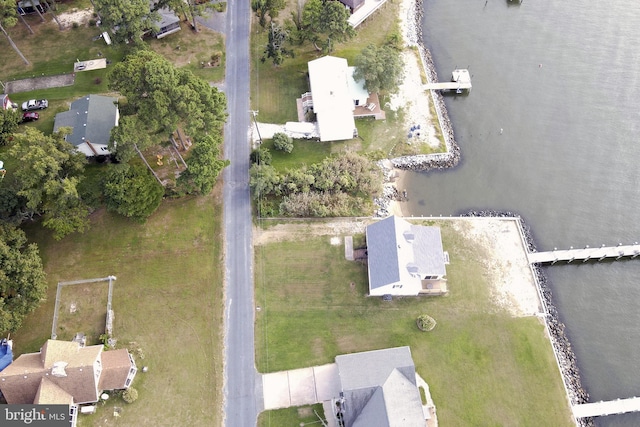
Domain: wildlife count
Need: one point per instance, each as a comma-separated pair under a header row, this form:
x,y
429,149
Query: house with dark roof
x,y
379,389
92,117
353,5
66,372
405,259
168,23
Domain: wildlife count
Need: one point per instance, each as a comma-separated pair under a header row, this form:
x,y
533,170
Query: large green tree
x,y
129,134
164,96
262,8
9,120
381,68
325,22
128,18
130,190
48,177
8,18
22,278
203,166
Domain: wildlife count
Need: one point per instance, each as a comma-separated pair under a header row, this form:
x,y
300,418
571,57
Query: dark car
x,y
30,117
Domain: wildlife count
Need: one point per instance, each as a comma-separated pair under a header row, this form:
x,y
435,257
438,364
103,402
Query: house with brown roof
x,y
66,372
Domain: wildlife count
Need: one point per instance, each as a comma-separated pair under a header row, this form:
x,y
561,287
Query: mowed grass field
x,y
168,302
483,366
82,308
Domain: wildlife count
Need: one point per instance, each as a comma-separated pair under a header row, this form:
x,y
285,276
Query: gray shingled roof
x,y
379,388
92,117
385,259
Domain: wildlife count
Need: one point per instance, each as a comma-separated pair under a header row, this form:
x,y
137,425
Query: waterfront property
x,y
405,259
460,80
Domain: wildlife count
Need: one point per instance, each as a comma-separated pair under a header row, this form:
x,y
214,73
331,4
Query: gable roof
x,y
379,388
115,368
92,117
332,101
62,370
397,250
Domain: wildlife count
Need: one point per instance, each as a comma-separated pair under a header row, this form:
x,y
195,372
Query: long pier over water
x,y
585,254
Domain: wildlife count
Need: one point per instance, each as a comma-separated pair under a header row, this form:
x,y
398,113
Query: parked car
x,y
30,117
35,104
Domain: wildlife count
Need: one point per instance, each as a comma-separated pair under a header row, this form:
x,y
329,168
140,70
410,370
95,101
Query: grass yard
x,y
168,303
82,308
483,366
300,416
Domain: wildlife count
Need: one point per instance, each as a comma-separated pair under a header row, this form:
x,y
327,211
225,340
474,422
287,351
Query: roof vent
x,y
58,369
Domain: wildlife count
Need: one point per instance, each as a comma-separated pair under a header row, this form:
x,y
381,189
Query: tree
x,y
267,7
325,22
8,19
22,278
264,180
9,120
130,190
282,142
261,155
163,96
203,166
275,48
49,173
381,68
129,18
129,133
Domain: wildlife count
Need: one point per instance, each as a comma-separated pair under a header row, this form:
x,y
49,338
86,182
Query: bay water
x,y
551,130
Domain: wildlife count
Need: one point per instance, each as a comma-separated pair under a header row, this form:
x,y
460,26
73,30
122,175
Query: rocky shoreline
x,y
561,346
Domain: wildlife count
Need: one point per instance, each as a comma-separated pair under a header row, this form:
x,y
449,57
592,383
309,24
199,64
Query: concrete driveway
x,y
298,387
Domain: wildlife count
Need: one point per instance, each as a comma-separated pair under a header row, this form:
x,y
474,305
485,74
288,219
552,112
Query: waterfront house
x,y
405,259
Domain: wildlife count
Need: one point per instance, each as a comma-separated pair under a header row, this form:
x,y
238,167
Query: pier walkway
x,y
598,409
585,254
460,80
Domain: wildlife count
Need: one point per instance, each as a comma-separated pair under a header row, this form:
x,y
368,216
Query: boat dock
x,y
460,80
585,254
611,407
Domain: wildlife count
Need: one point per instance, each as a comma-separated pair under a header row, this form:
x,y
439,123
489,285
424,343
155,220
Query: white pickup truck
x,y
35,104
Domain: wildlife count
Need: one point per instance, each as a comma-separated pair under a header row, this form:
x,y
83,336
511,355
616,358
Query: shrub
x,y
282,142
75,25
92,22
426,323
130,395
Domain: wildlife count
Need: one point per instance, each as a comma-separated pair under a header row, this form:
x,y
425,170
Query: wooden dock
x,y
585,254
611,407
460,80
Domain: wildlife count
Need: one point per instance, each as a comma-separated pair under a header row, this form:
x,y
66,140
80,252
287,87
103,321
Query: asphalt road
x,y
241,405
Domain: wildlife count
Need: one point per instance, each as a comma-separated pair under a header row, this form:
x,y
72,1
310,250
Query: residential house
x,y
6,103
168,23
333,97
405,259
92,117
379,388
353,5
26,7
66,372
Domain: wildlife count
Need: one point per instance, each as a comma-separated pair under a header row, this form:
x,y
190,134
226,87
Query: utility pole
x,y
255,113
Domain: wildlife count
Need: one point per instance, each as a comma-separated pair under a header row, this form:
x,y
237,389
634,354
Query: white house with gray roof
x,y
335,94
92,117
405,259
379,389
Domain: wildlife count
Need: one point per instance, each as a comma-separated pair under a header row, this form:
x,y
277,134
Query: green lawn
x,y
168,302
294,417
483,366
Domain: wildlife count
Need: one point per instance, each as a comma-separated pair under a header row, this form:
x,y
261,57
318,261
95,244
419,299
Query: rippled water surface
x,y
562,80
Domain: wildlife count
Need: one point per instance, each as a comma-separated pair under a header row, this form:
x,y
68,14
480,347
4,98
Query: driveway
x,y
297,387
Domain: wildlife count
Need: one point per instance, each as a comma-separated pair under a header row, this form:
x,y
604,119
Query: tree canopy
x,y
130,190
22,278
48,177
381,68
9,120
164,96
282,142
262,8
325,22
203,166
129,18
